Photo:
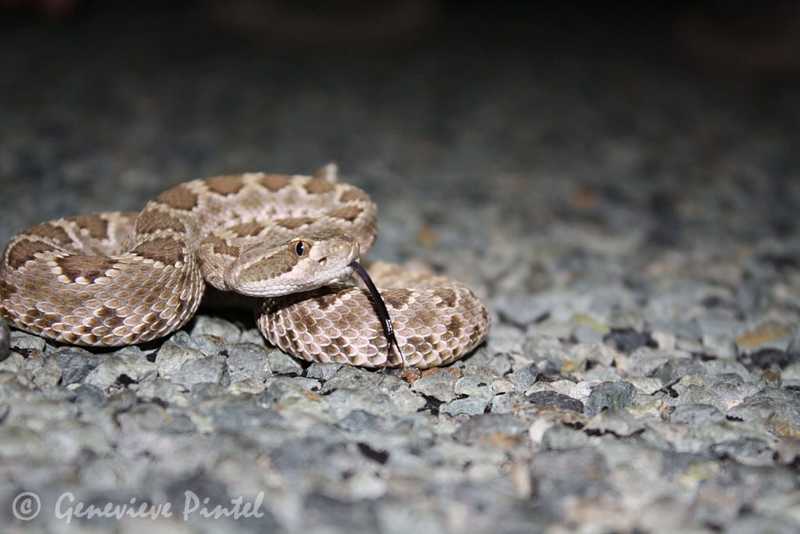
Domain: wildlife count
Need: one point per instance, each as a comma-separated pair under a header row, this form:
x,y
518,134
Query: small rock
x,y
747,450
552,399
24,341
48,374
768,359
353,379
696,414
484,426
767,335
507,402
209,345
88,396
164,390
545,348
595,352
207,370
675,369
467,406
128,364
498,364
254,336
504,339
559,437
524,378
619,423
664,340
76,364
438,383
586,334
646,385
216,327
5,340
474,386
281,363
323,371
362,421
628,340
610,395
247,361
172,356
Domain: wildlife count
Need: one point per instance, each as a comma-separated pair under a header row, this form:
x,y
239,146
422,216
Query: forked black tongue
x,y
380,308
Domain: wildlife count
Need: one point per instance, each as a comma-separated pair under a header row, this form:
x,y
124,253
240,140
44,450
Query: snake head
x,y
300,264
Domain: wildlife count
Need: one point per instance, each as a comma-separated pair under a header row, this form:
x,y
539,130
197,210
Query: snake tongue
x,y
380,308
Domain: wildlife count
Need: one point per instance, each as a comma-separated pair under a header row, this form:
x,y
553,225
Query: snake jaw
x,y
380,308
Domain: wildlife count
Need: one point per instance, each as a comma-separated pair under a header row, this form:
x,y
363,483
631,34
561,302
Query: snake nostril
x,y
323,261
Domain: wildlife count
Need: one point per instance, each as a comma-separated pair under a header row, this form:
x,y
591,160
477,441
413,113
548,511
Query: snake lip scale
x,y
120,278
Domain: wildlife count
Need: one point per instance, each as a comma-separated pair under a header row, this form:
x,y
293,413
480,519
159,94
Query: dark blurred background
x,y
682,113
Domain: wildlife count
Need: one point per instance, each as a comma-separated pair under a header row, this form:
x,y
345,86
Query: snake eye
x,y
300,248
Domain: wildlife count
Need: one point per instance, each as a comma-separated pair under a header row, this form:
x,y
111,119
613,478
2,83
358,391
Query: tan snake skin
x,y
112,279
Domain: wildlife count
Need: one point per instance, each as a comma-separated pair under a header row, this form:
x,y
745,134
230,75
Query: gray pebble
x,y
586,334
247,361
524,377
507,402
5,340
216,327
545,348
552,399
323,371
89,397
610,395
696,414
25,341
209,345
437,383
560,437
207,370
75,363
474,386
281,363
505,339
480,427
128,364
482,359
467,406
354,378
172,355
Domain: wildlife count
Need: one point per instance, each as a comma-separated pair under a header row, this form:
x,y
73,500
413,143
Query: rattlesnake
x,y
119,278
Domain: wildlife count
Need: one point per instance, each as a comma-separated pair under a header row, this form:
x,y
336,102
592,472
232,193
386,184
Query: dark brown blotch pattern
x,y
274,182
447,296
293,223
248,229
220,246
94,224
346,213
397,298
179,197
6,290
164,249
319,186
353,194
25,250
225,185
270,267
151,221
50,231
88,267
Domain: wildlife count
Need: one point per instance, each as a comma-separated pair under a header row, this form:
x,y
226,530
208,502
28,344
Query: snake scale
x,y
120,278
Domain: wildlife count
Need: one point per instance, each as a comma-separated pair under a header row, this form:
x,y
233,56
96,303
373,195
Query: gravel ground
x,y
631,224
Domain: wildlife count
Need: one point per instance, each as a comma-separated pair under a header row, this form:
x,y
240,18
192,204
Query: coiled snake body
x,y
115,278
